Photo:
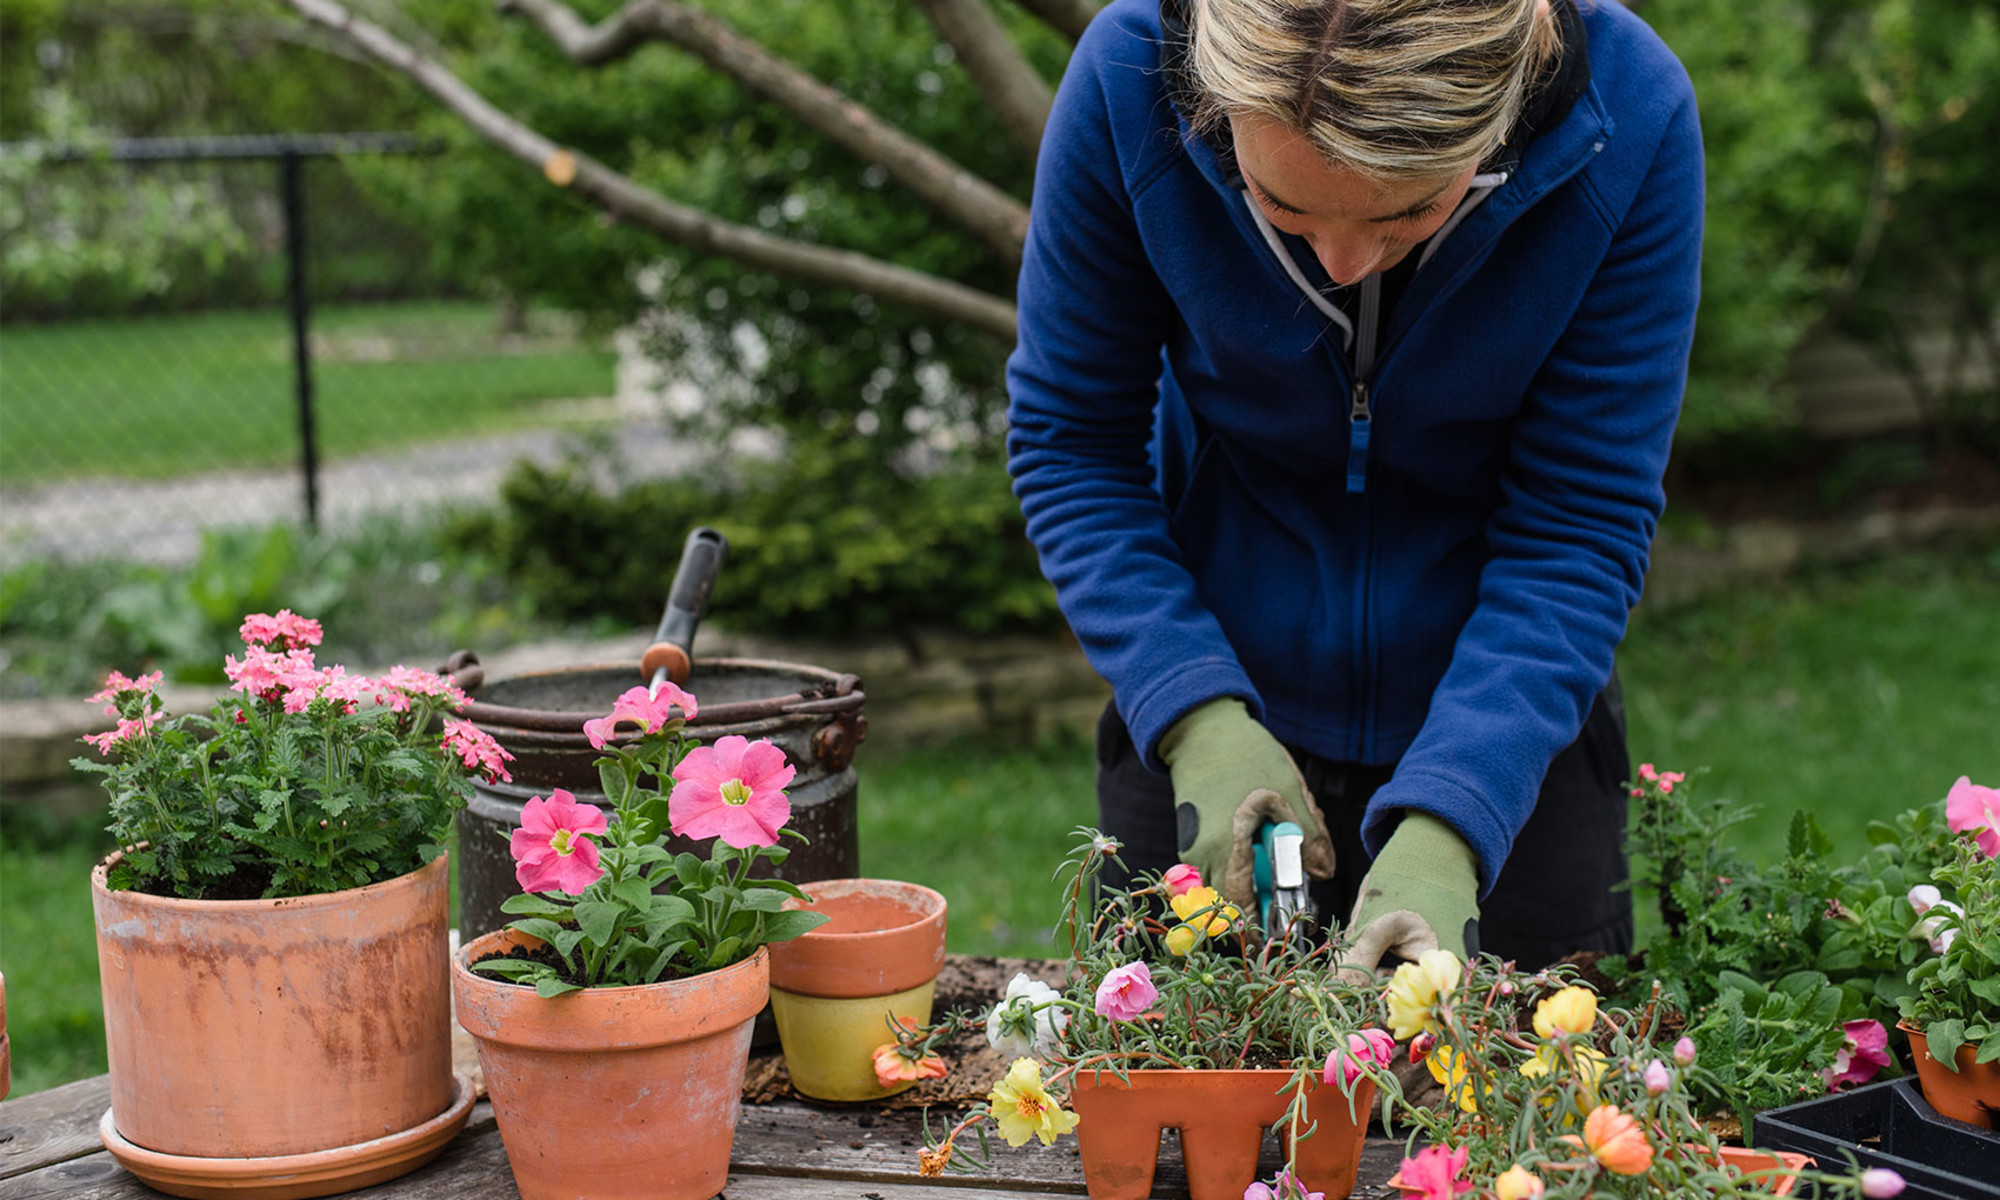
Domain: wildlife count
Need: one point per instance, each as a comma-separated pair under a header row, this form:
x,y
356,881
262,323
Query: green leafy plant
x,y
624,910
311,780
1956,1000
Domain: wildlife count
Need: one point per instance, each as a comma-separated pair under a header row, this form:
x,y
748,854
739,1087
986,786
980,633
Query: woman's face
x,y
1356,226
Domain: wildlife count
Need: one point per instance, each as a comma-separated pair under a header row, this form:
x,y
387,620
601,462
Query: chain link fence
x,y
232,331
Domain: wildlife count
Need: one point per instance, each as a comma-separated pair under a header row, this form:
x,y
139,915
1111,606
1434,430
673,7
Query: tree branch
x,y
679,223
983,209
1067,17
1003,75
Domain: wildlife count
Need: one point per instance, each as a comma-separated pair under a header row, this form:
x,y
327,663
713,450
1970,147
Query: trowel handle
x,y
672,650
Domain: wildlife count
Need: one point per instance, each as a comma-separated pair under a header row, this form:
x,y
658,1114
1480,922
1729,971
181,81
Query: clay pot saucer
x,y
294,1176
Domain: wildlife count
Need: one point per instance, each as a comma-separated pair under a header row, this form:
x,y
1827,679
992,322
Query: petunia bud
x,y
1684,1052
1880,1183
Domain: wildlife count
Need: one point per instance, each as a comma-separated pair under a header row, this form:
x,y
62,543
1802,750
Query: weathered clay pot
x,y
1971,1094
615,1093
259,1029
834,990
1221,1116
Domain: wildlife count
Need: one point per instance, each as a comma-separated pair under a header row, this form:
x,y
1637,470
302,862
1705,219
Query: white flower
x,y
1028,1020
1928,927
1923,896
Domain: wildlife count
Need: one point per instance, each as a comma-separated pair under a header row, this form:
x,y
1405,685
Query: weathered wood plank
x,y
53,1126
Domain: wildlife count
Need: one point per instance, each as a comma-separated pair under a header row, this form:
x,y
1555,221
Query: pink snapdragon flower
x,y
1434,1173
1127,992
640,707
285,631
1970,808
552,848
733,790
477,750
1180,879
1865,1052
1368,1046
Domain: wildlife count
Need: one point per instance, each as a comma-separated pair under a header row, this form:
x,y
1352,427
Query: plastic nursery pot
x,y
268,1030
1742,1161
1221,1116
616,1093
834,990
1971,1094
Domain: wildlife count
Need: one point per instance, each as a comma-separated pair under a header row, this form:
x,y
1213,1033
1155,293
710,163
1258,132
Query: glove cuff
x,y
1204,722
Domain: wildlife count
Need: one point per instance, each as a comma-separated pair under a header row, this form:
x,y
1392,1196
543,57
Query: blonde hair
x,y
1387,88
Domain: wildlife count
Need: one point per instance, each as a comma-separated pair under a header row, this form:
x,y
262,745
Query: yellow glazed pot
x,y
834,990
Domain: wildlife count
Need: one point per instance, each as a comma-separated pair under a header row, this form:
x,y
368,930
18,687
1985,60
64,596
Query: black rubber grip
x,y
694,579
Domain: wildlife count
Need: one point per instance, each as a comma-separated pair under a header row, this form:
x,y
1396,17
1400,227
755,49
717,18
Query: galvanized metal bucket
x,y
812,714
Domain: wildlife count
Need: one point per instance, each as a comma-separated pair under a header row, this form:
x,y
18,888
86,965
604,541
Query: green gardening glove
x,y
1231,776
1422,893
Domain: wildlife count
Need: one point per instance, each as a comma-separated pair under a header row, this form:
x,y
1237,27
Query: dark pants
x,y
1555,893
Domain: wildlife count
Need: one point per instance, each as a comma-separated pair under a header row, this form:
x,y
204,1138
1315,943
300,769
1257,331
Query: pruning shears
x,y
1283,904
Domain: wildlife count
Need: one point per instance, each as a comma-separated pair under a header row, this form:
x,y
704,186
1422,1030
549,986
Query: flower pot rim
x,y
461,968
933,912
100,873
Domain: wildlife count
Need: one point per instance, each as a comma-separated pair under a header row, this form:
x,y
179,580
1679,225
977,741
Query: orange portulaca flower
x,y
1616,1141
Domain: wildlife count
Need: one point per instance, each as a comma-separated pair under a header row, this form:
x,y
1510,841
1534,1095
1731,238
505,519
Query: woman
x,y
1353,335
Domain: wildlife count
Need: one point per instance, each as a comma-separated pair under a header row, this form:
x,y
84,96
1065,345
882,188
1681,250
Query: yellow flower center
x,y
561,843
1030,1107
736,792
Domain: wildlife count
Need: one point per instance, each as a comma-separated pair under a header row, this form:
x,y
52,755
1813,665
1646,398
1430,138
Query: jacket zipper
x,y
1360,416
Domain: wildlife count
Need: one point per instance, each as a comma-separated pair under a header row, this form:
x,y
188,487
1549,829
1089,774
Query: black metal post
x,y
291,173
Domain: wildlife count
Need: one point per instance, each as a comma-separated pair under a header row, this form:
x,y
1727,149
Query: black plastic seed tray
x,y
1888,1125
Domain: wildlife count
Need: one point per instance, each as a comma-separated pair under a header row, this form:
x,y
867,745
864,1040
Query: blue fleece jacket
x,y
1434,568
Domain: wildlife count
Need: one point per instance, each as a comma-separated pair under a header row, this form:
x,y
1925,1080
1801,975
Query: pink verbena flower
x,y
1368,1046
1434,1173
268,675
396,689
1127,992
1970,808
639,706
346,690
285,631
476,749
1865,1052
1181,878
552,849
733,790
116,684
128,729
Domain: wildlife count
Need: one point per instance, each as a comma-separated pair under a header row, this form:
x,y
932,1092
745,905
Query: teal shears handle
x,y
1280,876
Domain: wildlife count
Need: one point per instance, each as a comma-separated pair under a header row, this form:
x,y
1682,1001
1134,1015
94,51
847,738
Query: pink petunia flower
x,y
1970,808
552,848
1127,992
1434,1173
1368,1046
477,750
1181,878
733,790
1865,1052
639,706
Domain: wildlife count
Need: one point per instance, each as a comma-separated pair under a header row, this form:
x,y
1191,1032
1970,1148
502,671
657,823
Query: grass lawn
x,y
167,395
1855,693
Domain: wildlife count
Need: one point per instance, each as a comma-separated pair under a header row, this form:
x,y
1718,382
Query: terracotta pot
x,y
1221,1116
1971,1094
834,990
614,1092
271,1028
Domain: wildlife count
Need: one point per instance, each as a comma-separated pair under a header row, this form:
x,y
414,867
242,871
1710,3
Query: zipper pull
x,y
1359,420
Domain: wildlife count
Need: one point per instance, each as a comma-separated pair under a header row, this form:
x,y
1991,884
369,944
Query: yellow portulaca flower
x,y
1571,1010
1415,987
1181,939
1518,1183
1023,1108
1449,1068
1590,1068
1194,900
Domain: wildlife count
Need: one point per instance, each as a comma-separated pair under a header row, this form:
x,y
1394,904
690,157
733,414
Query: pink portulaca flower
x,y
1127,992
552,848
1658,1078
1865,1052
1180,879
1684,1052
286,631
1284,1186
1881,1183
642,708
1970,808
1434,1173
1368,1046
733,790
477,750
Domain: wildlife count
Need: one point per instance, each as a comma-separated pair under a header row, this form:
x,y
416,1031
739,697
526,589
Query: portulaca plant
x,y
608,904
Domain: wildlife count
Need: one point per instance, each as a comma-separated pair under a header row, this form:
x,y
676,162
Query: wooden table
x,y
784,1151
